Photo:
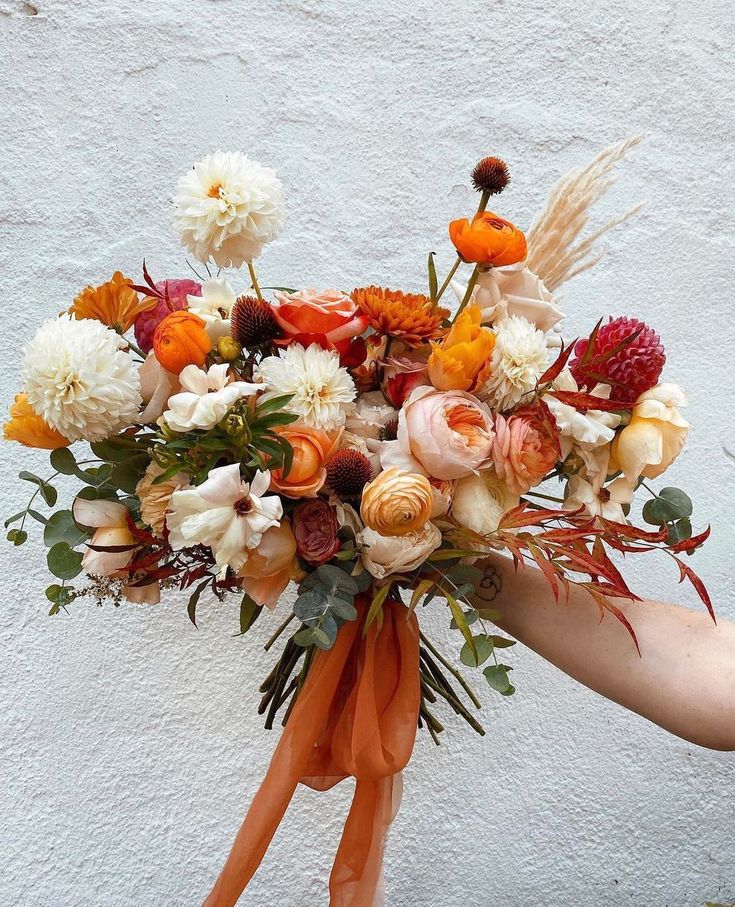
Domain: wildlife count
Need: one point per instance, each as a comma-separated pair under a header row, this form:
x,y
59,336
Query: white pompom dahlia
x,y
79,380
519,359
227,208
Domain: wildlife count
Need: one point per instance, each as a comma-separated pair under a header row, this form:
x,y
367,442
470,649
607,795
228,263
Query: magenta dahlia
x,y
172,296
632,362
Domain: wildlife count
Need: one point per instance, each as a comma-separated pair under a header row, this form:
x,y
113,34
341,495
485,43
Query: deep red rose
x,y
315,528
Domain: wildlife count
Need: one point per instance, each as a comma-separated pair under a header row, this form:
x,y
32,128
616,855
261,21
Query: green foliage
x,y
497,677
672,508
46,490
63,561
249,612
483,649
59,596
325,601
61,527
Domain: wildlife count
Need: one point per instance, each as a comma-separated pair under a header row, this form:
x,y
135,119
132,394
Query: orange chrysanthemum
x,y
114,303
409,317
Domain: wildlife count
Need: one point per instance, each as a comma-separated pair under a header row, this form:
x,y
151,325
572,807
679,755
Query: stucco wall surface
x,y
129,740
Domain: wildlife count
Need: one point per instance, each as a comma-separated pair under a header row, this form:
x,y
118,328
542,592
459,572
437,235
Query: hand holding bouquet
x,y
367,445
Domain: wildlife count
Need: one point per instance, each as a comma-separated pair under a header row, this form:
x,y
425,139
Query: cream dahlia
x,y
227,208
519,359
79,380
321,391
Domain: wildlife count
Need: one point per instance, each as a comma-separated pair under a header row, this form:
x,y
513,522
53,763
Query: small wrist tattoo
x,y
490,585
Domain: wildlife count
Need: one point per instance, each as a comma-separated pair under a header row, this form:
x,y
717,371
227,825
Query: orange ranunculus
x,y
181,339
269,567
488,240
311,449
456,362
26,427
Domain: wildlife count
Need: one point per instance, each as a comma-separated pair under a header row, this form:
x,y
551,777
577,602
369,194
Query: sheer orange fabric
x,y
355,716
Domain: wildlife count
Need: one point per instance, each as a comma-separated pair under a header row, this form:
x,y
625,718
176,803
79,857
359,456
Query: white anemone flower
x,y
227,208
214,307
80,380
321,390
224,513
519,359
205,397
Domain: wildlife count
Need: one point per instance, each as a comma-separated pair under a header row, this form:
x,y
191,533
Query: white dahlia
x,y
227,208
322,391
79,380
519,359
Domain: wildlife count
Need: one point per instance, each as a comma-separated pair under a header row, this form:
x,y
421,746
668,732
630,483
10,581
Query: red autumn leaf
x,y
586,402
686,572
546,567
559,364
691,543
624,530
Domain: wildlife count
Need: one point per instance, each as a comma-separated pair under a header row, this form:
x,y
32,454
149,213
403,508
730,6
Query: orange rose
x,y
26,427
311,449
489,240
456,362
181,339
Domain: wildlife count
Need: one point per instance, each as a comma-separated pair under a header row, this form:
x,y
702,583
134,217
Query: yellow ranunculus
x,y
456,362
26,427
655,435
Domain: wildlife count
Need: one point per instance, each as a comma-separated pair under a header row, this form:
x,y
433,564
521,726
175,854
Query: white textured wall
x,y
129,745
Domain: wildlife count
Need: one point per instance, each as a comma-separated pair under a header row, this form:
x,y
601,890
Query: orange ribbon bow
x,y
355,716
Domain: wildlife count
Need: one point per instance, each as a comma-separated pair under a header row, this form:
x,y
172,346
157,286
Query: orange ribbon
x,y
355,716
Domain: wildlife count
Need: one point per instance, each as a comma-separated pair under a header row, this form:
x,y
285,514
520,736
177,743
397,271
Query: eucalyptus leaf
x,y
61,527
497,677
63,461
63,561
18,537
483,650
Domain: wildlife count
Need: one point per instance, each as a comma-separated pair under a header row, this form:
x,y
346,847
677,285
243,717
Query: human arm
x,y
684,679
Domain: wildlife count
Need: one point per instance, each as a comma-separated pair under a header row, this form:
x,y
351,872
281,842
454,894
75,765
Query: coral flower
x,y
456,363
311,449
328,318
269,568
26,427
488,240
410,317
181,339
525,447
114,303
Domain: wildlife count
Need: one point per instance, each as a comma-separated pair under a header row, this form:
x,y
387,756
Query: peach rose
x,y
526,446
397,502
311,449
28,428
443,434
456,362
269,568
329,318
488,240
655,435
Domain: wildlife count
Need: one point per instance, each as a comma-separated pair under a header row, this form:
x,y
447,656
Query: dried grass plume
x,y
555,251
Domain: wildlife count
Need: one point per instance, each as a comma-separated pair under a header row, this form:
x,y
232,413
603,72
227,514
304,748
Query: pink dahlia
x,y
631,367
172,297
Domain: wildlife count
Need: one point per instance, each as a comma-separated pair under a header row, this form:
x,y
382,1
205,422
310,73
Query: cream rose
x,y
480,501
443,434
655,435
397,502
384,555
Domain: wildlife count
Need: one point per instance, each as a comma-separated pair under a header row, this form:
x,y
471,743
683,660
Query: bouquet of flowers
x,y
369,446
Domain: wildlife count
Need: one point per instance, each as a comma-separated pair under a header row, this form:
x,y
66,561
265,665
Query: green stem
x,y
254,279
452,670
468,292
448,278
278,632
